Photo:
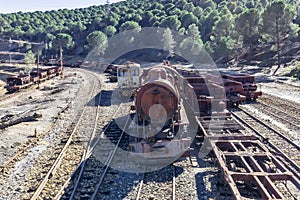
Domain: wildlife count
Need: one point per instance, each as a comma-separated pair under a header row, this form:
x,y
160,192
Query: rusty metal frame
x,y
252,157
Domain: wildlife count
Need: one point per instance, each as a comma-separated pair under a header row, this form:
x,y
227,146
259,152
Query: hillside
x,y
233,32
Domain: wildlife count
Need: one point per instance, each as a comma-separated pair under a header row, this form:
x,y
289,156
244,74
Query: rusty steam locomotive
x,y
167,102
161,120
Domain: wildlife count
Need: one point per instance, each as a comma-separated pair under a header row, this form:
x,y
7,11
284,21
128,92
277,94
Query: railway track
x,y
158,184
64,140
278,141
289,107
92,172
66,155
285,121
117,136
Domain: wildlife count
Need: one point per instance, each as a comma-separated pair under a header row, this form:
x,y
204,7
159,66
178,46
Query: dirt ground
x,y
279,85
282,90
51,97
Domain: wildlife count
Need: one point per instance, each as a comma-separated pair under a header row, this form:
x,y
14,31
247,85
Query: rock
x,y
151,197
19,189
214,188
31,189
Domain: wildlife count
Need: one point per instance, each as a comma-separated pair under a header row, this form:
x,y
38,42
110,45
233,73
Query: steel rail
x,y
107,165
288,120
59,159
271,144
57,162
174,184
272,129
173,196
140,188
87,154
83,158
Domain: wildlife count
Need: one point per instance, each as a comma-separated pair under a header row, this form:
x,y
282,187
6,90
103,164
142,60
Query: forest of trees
x,y
225,28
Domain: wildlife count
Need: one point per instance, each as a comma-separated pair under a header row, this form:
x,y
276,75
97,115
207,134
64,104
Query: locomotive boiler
x,y
157,99
159,131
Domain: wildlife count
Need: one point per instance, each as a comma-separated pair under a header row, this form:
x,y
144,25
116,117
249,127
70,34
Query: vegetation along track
x,y
281,144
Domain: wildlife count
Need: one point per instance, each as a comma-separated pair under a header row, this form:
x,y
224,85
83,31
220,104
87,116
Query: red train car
x,y
16,83
233,89
210,96
248,82
39,73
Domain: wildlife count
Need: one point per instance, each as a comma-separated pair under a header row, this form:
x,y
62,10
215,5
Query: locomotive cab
x,y
128,75
128,78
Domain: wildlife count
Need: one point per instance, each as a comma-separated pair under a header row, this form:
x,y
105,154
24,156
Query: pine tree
x,y
277,19
168,41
